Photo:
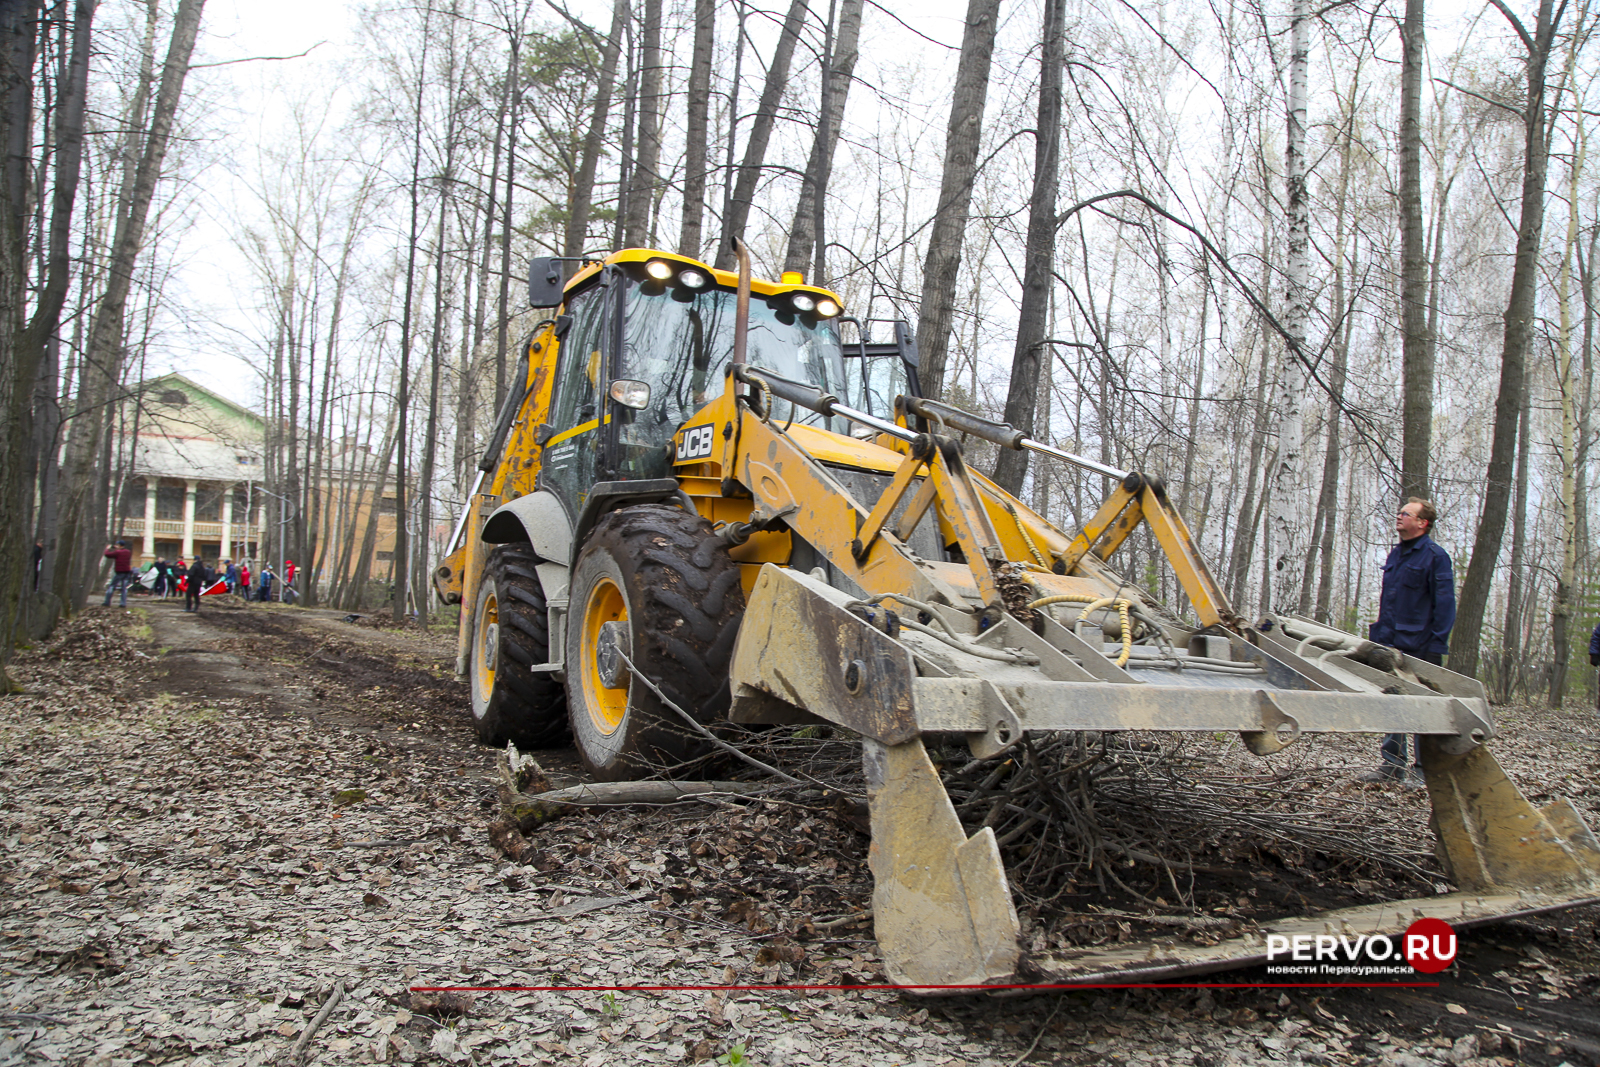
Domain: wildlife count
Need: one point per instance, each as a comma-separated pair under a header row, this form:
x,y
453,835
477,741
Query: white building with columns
x,y
196,474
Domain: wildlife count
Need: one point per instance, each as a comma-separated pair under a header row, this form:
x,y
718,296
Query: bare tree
x,y
1416,418
696,150
839,62
103,358
589,161
29,344
1038,271
642,173
1297,314
1517,336
942,266
755,151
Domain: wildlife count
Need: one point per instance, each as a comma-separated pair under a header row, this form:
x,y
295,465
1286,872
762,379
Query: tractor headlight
x,y
803,302
693,279
658,269
827,308
630,394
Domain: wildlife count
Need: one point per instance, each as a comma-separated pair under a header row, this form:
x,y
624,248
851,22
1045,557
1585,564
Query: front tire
x,y
511,702
657,584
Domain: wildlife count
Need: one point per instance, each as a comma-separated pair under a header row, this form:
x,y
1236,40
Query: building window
x,y
176,397
208,503
169,503
241,506
386,506
133,501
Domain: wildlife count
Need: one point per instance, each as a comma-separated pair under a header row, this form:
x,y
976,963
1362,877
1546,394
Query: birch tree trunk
x,y
1566,444
755,149
1039,253
1323,525
1516,340
1580,495
1287,476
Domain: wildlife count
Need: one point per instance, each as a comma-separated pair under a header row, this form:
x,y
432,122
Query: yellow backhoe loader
x,y
699,503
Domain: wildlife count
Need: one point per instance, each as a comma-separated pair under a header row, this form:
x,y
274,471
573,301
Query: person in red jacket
x,y
121,557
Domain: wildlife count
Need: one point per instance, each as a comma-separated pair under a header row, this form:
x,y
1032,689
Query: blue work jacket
x,y
1418,604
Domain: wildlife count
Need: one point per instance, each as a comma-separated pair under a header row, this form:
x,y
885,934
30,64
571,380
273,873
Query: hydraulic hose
x,y
1095,604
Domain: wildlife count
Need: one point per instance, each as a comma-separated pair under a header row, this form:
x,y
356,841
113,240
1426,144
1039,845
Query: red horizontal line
x,y
856,988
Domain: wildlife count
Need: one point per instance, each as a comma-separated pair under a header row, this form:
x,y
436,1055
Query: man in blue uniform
x,y
1415,614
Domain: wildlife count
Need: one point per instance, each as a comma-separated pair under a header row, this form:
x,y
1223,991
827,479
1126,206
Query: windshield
x,y
679,341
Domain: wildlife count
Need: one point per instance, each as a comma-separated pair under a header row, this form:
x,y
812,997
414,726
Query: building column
x,y
188,519
150,484
227,523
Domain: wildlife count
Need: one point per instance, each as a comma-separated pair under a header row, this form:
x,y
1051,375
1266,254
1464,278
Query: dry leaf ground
x,y
209,821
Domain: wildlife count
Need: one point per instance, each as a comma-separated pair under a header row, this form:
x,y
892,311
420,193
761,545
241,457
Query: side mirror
x,y
544,283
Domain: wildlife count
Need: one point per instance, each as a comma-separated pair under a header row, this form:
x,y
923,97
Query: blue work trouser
x,y
1394,745
119,580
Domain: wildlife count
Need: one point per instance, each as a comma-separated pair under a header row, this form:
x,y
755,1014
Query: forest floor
x,y
211,820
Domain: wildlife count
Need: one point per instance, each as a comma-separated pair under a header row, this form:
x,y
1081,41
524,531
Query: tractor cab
x,y
648,340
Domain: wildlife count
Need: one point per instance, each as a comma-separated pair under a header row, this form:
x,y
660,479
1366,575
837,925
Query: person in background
x,y
230,574
288,572
1416,612
38,563
121,557
1594,660
244,579
196,580
266,583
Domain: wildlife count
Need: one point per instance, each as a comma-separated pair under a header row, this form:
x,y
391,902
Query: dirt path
x,y
210,820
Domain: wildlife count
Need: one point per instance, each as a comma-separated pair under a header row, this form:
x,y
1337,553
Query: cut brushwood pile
x,y
1109,836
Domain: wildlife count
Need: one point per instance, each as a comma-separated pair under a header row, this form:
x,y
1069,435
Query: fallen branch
x,y
531,809
1185,922
297,1054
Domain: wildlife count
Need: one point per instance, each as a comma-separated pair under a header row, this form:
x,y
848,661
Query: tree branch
x,y
1517,111
256,59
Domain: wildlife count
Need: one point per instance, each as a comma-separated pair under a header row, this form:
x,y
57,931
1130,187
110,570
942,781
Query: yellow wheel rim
x,y
606,706
488,652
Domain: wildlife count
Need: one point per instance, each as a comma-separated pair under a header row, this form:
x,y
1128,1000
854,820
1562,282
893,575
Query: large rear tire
x,y
511,702
658,584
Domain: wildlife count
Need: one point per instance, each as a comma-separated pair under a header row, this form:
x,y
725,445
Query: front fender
x,y
538,518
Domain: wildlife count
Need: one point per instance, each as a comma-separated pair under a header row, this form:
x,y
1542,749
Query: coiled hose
x,y
1095,604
